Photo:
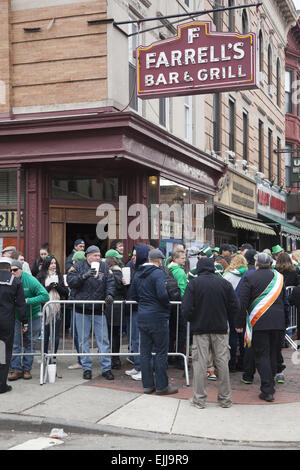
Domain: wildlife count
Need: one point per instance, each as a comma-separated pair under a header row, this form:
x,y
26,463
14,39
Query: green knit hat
x,y
78,256
276,249
207,251
113,254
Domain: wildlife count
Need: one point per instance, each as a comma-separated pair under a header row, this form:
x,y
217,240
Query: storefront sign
x,y
270,202
199,60
295,170
9,221
237,192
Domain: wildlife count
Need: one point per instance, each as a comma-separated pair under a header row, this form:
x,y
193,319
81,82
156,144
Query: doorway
x,y
88,233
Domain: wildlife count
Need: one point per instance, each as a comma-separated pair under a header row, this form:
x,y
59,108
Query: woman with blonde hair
x,y
236,269
233,273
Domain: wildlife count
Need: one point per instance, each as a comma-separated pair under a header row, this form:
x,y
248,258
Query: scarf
x,y
261,304
54,309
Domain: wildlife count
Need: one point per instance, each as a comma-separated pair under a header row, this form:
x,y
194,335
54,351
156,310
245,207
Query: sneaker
x,y
75,366
280,378
225,404
211,375
246,381
131,372
137,376
196,405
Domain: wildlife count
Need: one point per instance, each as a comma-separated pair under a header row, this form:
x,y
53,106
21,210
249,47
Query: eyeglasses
x,y
14,270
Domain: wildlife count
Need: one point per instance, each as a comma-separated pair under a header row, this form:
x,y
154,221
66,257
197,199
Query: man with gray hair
x,y
263,316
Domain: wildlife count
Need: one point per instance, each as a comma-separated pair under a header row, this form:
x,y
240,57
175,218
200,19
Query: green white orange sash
x,y
261,304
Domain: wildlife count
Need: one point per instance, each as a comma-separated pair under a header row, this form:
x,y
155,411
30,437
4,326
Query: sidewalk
x,y
119,406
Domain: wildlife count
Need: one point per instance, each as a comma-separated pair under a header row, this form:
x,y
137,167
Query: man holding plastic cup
x,y
91,280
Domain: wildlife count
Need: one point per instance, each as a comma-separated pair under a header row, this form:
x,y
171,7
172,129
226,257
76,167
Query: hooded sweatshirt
x,y
180,276
149,290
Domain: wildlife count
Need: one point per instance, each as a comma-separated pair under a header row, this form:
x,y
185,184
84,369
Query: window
x,y
270,154
245,23
216,122
8,188
132,45
164,112
231,125
261,51
245,135
189,3
86,188
278,161
188,118
289,91
298,95
270,69
261,146
217,15
278,82
288,163
231,19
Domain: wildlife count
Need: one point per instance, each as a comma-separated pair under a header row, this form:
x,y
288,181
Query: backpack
x,y
171,285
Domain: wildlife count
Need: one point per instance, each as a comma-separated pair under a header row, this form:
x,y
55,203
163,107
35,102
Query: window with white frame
x,y
288,163
164,112
133,43
188,118
289,91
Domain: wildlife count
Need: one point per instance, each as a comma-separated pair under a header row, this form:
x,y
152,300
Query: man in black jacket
x,y
207,303
88,284
11,297
263,314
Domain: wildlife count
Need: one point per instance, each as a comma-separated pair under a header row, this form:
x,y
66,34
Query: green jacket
x,y
180,276
35,294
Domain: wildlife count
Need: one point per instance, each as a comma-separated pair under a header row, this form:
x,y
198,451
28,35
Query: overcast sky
x,y
297,4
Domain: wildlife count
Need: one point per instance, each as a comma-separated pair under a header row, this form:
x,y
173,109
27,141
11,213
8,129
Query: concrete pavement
x,y
119,406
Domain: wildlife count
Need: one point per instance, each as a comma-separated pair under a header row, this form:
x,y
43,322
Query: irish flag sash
x,y
261,304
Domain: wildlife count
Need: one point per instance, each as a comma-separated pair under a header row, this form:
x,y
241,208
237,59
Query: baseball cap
x,y
113,254
263,258
79,242
92,249
156,254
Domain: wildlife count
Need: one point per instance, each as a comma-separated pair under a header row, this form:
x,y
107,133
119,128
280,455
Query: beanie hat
x,y
207,251
78,256
17,264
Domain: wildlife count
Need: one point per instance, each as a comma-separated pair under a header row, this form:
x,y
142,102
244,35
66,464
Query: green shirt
x,y
180,276
35,294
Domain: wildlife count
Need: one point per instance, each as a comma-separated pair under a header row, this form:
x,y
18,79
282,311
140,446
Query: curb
x,y
9,422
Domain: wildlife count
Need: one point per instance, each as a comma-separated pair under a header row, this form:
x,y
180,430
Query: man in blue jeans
x,y
149,290
88,284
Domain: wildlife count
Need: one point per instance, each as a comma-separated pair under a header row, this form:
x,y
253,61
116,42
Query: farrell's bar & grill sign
x,y
199,60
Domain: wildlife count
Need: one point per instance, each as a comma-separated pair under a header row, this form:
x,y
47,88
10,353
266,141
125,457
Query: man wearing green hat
x,y
276,250
113,254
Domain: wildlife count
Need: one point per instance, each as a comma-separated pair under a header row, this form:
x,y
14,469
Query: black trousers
x,y
266,344
7,329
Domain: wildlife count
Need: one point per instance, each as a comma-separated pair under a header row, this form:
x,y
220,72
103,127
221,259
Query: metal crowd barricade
x,y
127,314
293,323
28,344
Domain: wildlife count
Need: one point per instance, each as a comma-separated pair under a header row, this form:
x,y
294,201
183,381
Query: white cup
x,y
51,369
126,275
95,265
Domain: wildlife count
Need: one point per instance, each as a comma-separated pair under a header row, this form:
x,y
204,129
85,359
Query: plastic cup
x,y
51,369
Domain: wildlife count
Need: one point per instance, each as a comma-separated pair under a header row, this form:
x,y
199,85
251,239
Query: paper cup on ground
x,y
51,369
126,275
95,265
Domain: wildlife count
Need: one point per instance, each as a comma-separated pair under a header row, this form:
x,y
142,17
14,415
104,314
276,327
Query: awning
x,y
248,224
286,229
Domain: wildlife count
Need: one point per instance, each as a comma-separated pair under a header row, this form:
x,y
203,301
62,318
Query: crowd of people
x,y
235,300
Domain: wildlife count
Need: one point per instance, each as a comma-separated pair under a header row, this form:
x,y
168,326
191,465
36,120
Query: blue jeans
x,y
133,336
21,363
154,338
84,326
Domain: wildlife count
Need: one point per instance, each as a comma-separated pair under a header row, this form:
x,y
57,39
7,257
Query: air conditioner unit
x,y
261,77
271,90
